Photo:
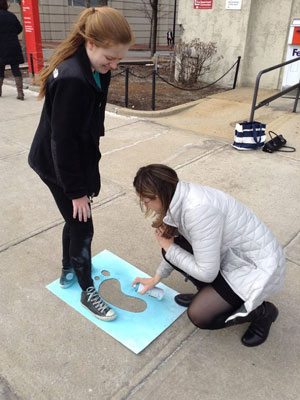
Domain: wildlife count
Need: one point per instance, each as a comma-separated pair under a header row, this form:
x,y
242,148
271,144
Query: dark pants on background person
x,y
15,69
76,238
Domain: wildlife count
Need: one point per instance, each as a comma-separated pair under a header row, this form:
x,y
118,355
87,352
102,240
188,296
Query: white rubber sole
x,y
108,318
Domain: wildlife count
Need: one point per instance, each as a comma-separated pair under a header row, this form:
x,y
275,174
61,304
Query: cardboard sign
x,y
32,30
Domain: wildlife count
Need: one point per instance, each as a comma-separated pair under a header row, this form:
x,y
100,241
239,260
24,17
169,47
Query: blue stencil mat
x,y
135,330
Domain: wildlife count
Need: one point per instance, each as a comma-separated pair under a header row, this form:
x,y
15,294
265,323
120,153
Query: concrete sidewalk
x,y
50,352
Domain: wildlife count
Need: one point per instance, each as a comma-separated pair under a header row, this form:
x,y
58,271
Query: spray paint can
x,y
156,292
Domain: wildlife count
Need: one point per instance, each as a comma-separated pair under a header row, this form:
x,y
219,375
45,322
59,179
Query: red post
x,y
32,29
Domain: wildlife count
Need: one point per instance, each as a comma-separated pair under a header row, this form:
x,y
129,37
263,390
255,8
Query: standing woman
x,y
10,49
218,244
65,150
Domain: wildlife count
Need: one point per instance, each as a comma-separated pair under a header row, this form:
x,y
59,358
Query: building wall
x,y
257,32
266,41
227,28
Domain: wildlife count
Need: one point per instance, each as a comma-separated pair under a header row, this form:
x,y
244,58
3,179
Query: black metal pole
x,y
236,72
297,97
255,96
126,86
174,21
31,64
153,89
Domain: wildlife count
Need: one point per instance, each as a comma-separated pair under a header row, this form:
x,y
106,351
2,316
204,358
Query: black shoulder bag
x,y
277,143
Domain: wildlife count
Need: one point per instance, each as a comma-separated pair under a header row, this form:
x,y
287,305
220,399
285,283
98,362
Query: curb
x,y
151,114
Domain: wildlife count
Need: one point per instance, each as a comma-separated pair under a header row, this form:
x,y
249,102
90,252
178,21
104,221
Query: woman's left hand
x,y
81,208
164,242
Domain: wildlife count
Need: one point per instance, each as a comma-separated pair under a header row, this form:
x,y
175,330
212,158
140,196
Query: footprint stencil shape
x,y
110,291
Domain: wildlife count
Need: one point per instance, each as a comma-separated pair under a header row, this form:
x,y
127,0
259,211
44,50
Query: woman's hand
x,y
81,208
148,283
164,242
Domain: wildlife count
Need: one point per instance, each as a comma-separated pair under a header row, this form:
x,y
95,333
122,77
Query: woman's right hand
x,y
148,283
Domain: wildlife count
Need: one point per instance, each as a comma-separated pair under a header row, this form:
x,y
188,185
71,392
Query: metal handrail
x,y
275,96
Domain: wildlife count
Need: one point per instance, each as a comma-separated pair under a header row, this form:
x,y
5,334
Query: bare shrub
x,y
192,60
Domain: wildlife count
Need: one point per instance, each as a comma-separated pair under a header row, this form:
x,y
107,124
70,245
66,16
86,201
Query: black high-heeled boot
x,y
184,299
258,331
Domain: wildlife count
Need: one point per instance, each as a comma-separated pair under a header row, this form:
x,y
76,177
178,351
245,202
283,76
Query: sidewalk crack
x,y
137,387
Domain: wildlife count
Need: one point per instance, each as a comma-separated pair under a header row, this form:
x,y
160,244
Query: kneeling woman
x,y
231,257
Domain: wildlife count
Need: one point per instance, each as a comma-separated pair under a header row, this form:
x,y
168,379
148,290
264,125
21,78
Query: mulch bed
x,y
140,90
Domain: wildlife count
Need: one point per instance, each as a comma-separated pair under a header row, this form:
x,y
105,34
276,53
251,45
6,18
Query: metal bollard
x,y
153,89
31,64
126,86
236,72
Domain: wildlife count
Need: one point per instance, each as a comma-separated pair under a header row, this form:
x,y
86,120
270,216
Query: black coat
x,y
65,149
10,49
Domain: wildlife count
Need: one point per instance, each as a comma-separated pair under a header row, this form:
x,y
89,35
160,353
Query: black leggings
x,y
14,69
214,302
76,238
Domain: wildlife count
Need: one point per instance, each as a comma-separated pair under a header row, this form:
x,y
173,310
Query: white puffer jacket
x,y
227,237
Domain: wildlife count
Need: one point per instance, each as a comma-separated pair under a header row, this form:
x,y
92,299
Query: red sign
x,y
203,4
32,29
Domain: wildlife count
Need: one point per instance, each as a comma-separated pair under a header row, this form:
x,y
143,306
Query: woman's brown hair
x,y
157,180
105,27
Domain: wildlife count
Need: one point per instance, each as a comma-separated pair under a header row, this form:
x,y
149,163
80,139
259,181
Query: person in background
x,y
170,37
65,150
10,49
218,244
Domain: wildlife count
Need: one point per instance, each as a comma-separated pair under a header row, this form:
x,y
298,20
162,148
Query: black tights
x,y
214,302
209,310
14,69
76,238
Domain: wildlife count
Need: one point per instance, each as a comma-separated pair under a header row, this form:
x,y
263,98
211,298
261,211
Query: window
x,y
82,3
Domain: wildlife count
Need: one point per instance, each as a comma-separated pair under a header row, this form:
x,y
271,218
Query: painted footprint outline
x,y
110,290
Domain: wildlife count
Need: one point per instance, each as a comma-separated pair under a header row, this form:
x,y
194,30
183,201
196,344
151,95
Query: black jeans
x,y
219,284
14,69
76,238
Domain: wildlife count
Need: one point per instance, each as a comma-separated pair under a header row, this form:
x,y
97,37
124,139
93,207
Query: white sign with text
x,y
233,4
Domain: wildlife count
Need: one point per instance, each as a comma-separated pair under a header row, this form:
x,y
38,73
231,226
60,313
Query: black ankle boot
x,y
184,299
259,329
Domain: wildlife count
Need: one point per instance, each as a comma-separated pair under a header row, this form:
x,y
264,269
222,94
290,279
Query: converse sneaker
x,y
67,278
91,300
